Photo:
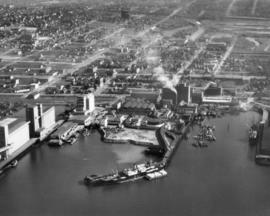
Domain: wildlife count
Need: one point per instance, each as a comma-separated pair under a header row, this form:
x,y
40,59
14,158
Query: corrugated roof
x,y
13,124
66,126
7,121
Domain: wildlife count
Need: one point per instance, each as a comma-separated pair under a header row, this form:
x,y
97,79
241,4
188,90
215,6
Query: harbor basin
x,y
222,179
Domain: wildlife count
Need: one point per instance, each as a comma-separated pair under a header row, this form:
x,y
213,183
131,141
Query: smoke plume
x,y
153,58
161,76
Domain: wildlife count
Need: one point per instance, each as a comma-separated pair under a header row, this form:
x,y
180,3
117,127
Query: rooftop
x,y
138,103
13,123
7,121
63,128
80,117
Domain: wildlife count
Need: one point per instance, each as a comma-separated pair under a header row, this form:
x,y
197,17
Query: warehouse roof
x,y
13,124
64,128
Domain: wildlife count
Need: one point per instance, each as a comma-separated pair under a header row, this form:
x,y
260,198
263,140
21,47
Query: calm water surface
x,y
219,180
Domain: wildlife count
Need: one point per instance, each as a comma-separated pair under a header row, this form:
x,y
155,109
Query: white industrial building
x,y
14,133
42,121
85,104
217,99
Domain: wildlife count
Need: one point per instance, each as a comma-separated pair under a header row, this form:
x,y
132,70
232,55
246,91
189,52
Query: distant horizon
x,y
51,2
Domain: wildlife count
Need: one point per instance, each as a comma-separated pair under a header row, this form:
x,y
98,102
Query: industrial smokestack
x,y
169,94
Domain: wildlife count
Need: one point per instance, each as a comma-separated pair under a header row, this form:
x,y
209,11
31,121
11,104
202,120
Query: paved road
x,y
228,11
226,56
254,6
189,63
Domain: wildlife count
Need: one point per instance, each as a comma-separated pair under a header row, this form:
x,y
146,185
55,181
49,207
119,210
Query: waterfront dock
x,y
263,145
17,153
171,147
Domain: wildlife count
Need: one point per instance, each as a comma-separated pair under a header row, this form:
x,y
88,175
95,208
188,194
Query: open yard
x,y
135,135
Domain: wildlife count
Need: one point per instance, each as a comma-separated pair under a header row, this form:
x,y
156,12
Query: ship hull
x,y
120,177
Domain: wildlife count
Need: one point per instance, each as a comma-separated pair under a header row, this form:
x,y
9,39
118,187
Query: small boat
x,y
55,142
253,135
13,163
73,141
197,137
210,138
204,145
77,135
200,143
86,133
195,145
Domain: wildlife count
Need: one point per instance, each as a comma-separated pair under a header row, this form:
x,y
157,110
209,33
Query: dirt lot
x,y
135,135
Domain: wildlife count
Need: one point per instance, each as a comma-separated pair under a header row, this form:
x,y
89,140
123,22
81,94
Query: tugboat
x,y
153,150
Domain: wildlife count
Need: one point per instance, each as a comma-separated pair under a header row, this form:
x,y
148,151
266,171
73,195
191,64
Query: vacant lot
x,y
135,135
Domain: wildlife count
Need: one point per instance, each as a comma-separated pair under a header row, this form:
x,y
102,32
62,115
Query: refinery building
x,y
17,135
84,108
180,94
14,134
42,121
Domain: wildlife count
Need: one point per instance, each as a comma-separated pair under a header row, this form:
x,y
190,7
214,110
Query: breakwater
x,y
263,148
131,174
170,147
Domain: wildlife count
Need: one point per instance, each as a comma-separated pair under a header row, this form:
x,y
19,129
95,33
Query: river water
x,y
219,180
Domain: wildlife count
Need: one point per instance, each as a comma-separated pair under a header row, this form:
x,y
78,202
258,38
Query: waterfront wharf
x,y
173,146
17,153
263,144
